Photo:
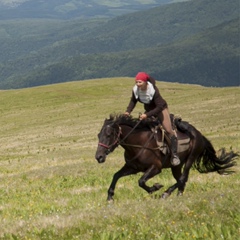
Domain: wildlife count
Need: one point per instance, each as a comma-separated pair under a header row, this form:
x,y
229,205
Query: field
x,y
51,186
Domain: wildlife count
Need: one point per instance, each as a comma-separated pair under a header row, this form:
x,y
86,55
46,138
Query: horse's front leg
x,y
124,171
151,172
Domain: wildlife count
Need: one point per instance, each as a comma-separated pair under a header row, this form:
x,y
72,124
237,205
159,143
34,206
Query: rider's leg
x,y
166,123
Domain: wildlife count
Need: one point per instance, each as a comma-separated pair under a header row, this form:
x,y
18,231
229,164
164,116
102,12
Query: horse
x,y
147,150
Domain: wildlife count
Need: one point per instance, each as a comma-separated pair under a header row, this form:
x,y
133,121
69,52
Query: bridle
x,y
115,142
118,142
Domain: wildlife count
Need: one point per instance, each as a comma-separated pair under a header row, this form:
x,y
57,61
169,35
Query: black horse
x,y
147,151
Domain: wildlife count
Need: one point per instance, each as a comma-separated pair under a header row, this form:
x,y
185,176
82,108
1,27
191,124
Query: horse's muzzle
x,y
100,159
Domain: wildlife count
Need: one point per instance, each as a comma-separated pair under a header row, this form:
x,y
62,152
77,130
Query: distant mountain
x,y
69,9
192,42
208,58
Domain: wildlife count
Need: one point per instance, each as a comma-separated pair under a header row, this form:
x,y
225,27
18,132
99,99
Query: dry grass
x,y
51,187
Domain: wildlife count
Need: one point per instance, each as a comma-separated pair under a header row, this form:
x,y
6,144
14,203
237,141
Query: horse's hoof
x,y
165,195
155,196
110,199
157,186
180,193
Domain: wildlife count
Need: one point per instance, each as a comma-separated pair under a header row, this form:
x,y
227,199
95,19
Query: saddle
x,y
163,140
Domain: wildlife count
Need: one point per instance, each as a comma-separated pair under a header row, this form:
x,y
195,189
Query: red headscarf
x,y
142,76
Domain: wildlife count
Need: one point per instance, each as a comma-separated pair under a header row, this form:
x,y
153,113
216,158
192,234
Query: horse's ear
x,y
111,116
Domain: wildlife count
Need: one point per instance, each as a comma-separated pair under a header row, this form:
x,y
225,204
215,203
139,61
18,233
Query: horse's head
x,y
108,140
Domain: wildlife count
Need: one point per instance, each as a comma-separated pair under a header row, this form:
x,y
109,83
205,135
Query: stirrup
x,y
175,161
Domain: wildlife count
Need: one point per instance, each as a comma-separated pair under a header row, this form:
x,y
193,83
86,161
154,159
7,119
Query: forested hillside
x,y
69,9
208,58
190,42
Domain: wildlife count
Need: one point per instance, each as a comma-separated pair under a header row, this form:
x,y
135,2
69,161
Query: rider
x,y
146,92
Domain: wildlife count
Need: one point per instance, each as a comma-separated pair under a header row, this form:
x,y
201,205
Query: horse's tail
x,y
208,161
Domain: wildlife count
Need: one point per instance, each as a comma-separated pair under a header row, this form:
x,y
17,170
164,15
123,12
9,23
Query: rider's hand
x,y
142,116
127,113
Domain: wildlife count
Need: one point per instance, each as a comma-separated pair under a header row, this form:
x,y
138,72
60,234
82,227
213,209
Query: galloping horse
x,y
146,150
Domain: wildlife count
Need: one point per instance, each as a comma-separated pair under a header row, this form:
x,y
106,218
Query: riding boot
x,y
174,143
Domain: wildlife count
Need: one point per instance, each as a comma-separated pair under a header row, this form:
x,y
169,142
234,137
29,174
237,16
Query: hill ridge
x,y
51,63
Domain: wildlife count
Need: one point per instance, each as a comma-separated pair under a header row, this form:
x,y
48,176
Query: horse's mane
x,y
122,119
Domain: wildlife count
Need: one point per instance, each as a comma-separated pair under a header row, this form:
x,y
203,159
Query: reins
x,y
142,147
137,146
121,142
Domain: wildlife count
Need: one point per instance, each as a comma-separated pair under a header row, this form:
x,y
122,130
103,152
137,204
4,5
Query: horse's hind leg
x,y
181,178
124,171
151,172
176,171
184,176
189,162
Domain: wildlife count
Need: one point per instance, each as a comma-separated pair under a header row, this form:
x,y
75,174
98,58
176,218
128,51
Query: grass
x,y
51,187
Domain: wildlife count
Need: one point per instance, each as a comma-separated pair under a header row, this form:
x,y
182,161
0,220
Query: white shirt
x,y
144,96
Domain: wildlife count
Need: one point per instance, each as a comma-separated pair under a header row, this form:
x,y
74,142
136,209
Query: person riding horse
x,y
141,153
145,91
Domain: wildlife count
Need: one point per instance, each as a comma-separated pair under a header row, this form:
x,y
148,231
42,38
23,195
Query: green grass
x,y
51,187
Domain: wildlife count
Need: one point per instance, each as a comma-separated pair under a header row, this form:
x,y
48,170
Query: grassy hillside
x,y
51,187
35,51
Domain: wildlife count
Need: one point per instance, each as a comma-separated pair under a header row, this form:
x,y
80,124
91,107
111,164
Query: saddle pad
x,y
183,141
183,145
